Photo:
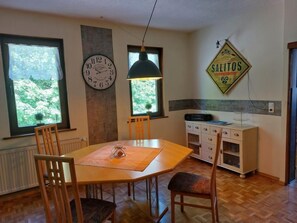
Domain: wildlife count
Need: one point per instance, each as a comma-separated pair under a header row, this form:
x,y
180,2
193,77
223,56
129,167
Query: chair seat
x,y
94,210
189,183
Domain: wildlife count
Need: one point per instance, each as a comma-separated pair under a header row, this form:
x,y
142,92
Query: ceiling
x,y
181,15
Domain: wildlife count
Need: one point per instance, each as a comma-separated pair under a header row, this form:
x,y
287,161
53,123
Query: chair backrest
x,y
50,143
139,127
57,167
215,161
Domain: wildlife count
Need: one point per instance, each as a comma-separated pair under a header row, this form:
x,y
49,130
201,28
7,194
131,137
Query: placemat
x,y
137,158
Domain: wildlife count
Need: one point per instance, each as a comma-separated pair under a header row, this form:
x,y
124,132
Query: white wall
x,y
175,49
259,37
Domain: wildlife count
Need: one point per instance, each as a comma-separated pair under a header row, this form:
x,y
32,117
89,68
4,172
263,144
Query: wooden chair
x,y
66,211
189,184
50,143
139,128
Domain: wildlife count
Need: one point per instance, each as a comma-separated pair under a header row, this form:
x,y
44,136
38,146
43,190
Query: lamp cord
x,y
148,23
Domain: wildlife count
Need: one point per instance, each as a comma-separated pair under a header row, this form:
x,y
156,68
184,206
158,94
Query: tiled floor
x,y
254,199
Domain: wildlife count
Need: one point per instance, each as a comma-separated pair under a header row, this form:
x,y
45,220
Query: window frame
x,y
5,39
159,82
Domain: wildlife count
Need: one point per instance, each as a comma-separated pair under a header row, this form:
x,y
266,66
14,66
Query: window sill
x,y
32,134
159,117
154,118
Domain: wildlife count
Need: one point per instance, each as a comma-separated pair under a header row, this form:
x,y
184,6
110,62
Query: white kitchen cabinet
x,y
239,145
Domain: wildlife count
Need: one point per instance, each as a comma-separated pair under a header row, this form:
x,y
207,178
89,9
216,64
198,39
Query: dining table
x,y
138,160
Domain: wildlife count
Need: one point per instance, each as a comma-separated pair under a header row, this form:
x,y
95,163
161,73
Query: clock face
x,y
99,72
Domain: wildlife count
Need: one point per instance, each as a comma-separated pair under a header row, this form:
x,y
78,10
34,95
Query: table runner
x,y
137,158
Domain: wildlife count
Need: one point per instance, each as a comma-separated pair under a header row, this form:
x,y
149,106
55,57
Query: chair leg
x,y
113,217
172,207
217,210
213,209
181,201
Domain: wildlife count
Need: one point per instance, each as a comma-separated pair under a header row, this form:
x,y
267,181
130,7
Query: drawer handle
x,y
210,148
225,133
189,126
215,131
205,129
196,127
209,139
209,157
236,134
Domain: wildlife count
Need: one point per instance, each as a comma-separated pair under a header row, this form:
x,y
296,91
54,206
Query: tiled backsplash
x,y
246,106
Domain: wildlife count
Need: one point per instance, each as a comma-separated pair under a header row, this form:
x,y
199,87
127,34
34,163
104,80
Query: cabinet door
x,y
231,154
194,142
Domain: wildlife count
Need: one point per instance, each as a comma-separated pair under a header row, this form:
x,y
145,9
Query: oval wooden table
x,y
168,158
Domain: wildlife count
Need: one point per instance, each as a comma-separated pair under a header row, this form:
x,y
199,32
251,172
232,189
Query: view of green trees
x,y
35,71
37,96
143,92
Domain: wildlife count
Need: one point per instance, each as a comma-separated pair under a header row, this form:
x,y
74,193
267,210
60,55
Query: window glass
x,y
145,95
35,82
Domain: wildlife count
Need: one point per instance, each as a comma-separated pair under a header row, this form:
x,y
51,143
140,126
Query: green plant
x,y
39,117
148,106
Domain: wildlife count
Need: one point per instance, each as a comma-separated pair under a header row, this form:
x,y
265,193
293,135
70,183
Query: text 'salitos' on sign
x,y
228,66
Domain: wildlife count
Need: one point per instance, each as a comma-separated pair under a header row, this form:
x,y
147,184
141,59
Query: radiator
x,y
17,167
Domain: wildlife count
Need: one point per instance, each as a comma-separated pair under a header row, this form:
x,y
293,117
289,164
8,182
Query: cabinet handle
x,y
205,129
215,131
209,139
210,148
209,157
236,134
196,127
225,133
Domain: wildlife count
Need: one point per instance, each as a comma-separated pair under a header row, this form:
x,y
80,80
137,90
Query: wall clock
x,y
99,72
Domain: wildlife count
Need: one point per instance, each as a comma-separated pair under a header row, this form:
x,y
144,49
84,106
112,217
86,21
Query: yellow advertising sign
x,y
228,67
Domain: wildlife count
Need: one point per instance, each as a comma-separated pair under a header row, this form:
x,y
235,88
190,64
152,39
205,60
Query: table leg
x,y
156,209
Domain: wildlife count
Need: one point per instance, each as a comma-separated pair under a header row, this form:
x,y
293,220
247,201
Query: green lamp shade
x,y
144,69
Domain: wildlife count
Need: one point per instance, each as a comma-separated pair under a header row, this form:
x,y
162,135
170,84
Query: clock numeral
x,y
89,66
101,84
98,59
88,72
90,79
93,61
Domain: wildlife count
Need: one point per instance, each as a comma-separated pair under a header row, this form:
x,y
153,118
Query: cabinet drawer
x,y
226,133
205,129
214,130
209,138
236,134
193,127
197,128
208,152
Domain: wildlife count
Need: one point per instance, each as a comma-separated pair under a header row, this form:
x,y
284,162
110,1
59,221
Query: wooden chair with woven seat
x,y
193,185
78,209
139,128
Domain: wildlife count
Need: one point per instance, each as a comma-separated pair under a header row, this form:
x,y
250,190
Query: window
x,y
35,82
146,95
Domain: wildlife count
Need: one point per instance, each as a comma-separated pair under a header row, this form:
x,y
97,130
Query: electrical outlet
x,y
270,107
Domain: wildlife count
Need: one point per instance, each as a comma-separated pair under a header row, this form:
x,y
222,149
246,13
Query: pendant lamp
x,y
144,69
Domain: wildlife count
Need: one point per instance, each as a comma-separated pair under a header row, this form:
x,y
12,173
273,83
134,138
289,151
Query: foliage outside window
x,y
35,82
146,95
